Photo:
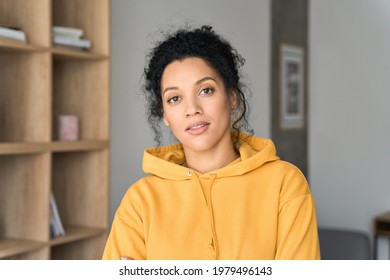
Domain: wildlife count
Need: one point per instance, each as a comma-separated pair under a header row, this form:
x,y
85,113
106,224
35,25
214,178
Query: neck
x,y
207,161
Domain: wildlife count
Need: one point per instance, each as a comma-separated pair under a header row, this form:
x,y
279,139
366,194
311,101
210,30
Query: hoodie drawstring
x,y
207,195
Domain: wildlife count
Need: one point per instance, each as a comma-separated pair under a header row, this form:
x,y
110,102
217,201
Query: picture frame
x,y
292,115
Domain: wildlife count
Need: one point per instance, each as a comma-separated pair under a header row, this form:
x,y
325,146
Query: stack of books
x,y
70,37
13,33
56,227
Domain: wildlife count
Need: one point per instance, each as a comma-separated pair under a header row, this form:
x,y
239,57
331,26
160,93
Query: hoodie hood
x,y
167,161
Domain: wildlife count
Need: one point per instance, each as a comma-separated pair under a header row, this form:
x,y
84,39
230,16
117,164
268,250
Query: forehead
x,y
187,70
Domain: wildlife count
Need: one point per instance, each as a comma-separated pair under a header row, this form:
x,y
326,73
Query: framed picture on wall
x,y
292,87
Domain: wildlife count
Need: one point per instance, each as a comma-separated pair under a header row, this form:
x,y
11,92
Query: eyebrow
x,y
205,79
197,83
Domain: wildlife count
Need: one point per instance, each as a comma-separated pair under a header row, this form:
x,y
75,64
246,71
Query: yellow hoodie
x,y
257,207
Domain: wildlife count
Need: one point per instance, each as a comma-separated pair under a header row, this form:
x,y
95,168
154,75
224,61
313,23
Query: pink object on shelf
x,y
68,128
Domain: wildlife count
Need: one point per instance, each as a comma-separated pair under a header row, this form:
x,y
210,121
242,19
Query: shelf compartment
x,y
91,16
25,99
58,146
24,196
11,247
76,233
80,185
31,16
82,88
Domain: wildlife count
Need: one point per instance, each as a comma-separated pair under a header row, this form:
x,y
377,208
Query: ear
x,y
233,99
165,121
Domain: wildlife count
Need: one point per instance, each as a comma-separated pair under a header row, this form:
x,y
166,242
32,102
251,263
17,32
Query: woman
x,y
220,193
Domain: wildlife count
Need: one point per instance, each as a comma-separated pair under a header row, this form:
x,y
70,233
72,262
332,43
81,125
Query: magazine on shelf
x,y
56,227
13,33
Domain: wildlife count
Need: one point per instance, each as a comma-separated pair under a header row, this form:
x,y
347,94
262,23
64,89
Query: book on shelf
x,y
71,42
67,31
70,37
13,33
56,227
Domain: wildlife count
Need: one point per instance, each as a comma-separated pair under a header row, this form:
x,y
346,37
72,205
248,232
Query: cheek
x,y
221,110
169,113
174,117
166,111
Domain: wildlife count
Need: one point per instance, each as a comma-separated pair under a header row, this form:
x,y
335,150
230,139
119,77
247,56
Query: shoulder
x,y
292,181
289,170
283,171
143,189
135,197
142,185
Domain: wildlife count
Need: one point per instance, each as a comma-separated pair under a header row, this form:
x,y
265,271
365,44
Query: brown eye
x,y
206,91
173,99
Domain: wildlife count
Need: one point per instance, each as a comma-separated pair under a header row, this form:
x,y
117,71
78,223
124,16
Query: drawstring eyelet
x,y
189,172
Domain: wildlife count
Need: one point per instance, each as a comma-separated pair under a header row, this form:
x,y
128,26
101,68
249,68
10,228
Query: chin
x,y
198,145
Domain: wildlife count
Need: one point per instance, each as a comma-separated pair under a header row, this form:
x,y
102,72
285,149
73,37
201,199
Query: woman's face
x,y
196,105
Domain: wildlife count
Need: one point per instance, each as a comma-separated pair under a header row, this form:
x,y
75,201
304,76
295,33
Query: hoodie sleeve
x,y
126,238
297,224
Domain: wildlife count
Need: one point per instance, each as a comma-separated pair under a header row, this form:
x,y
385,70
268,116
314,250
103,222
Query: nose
x,y
193,107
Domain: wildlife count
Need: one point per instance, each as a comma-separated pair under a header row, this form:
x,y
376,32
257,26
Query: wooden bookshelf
x,y
38,82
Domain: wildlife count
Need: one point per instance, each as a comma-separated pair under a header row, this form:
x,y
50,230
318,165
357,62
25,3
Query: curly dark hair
x,y
202,43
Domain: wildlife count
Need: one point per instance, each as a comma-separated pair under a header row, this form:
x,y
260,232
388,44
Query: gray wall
x,y
135,26
349,131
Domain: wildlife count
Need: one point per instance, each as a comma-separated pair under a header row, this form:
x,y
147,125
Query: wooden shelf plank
x,y
10,148
18,46
12,247
74,146
56,146
75,233
63,53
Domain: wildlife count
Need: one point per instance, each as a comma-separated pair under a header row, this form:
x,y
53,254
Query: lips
x,y
197,127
